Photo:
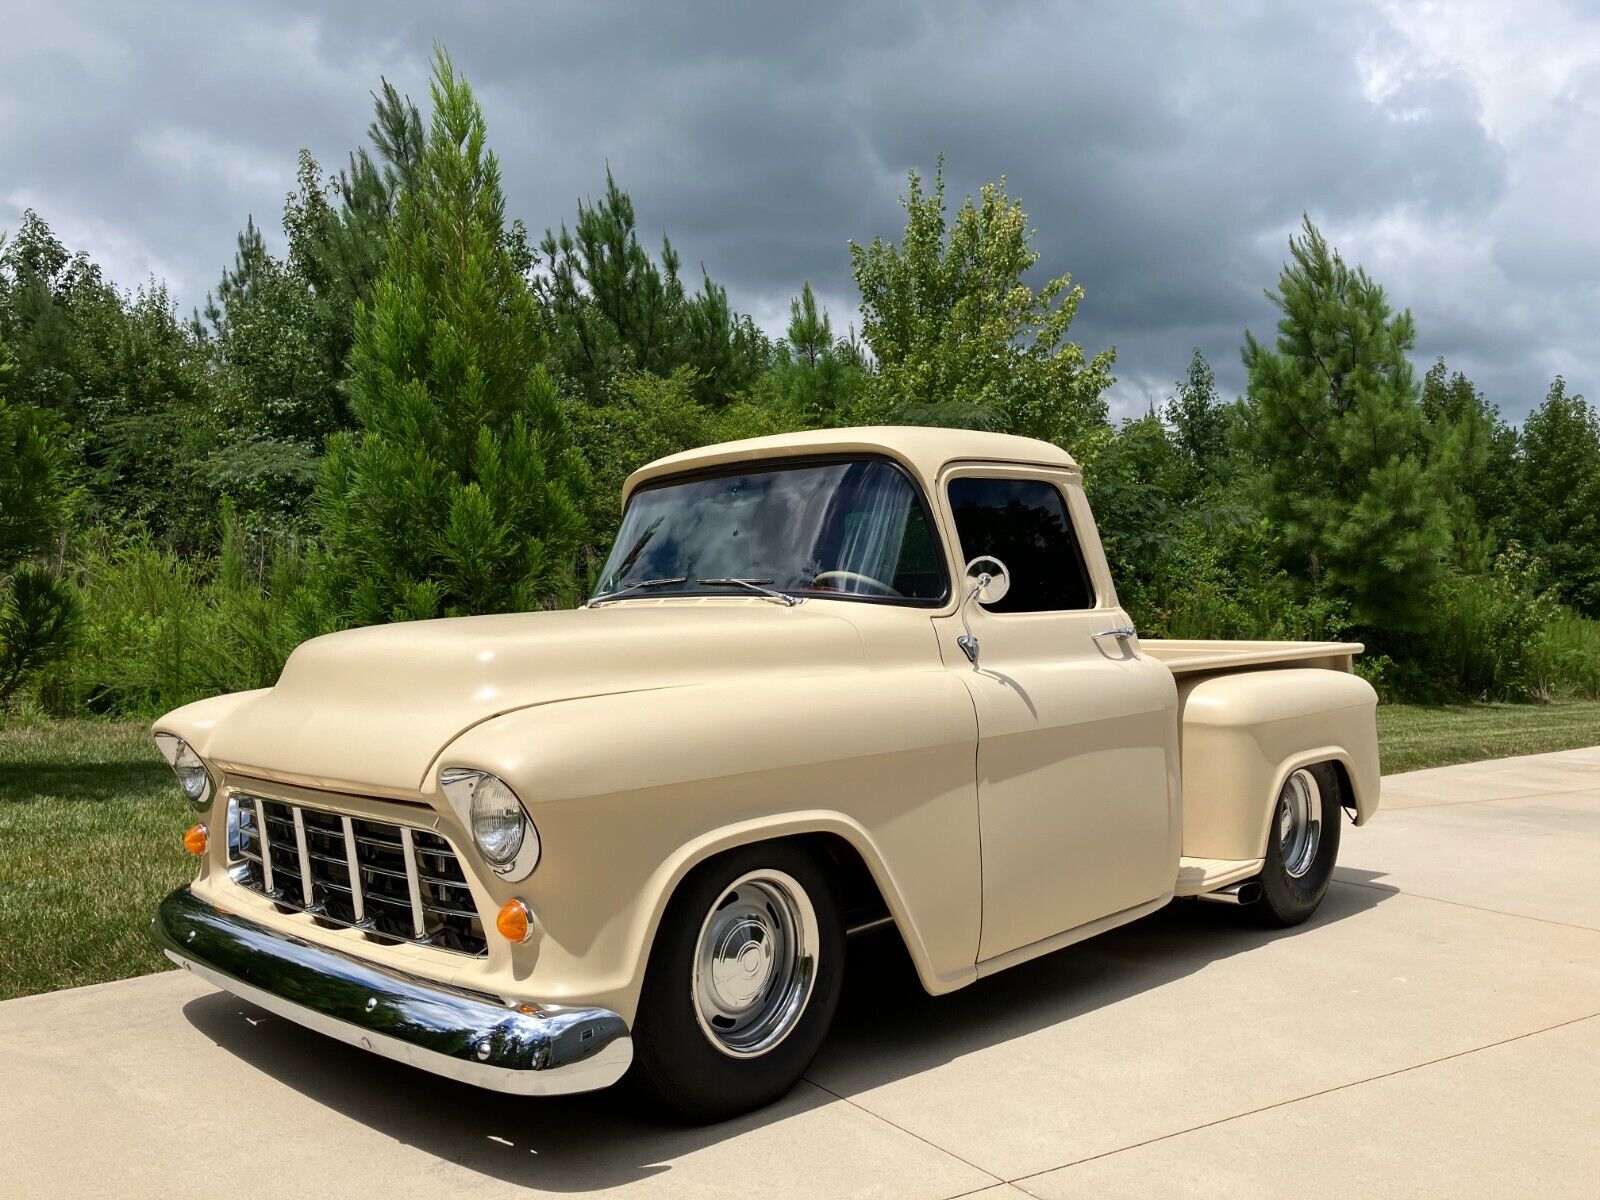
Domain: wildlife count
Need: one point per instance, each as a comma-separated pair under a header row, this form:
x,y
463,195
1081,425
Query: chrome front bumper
x,y
527,1050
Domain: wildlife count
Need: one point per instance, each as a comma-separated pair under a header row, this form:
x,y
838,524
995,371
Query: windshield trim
x,y
796,462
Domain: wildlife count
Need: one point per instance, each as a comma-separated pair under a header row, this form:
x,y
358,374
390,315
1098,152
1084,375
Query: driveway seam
x,y
995,1179
1018,1181
1426,803
1498,912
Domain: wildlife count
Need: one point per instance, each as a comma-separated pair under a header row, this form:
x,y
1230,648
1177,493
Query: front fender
x,y
197,723
630,792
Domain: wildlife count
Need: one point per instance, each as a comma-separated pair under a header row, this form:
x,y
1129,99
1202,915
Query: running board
x,y
1197,875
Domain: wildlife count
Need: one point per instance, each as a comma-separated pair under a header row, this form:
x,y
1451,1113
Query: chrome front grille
x,y
392,882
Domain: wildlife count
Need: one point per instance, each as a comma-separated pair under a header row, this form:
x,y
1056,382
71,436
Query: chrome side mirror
x,y
987,582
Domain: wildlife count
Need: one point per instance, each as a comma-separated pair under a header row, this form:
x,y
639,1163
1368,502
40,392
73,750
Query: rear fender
x,y
1244,734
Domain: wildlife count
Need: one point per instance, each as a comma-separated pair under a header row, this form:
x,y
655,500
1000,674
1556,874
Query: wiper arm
x,y
642,585
755,585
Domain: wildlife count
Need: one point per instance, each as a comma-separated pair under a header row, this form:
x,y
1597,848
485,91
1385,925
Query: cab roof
x,y
923,450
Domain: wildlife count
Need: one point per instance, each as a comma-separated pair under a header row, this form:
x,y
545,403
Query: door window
x,y
1023,523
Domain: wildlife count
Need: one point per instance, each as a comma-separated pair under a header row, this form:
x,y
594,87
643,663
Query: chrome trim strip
x,y
306,883
265,844
476,1038
408,847
353,865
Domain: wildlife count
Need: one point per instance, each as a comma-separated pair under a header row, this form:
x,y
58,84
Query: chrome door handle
x,y
1120,632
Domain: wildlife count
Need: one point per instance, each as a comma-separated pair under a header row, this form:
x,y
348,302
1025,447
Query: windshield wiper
x,y
755,585
642,585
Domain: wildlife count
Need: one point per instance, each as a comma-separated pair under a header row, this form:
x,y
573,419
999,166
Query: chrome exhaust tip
x,y
1247,892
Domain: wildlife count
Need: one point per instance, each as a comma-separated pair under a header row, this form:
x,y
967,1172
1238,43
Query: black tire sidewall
x,y
1286,900
674,1059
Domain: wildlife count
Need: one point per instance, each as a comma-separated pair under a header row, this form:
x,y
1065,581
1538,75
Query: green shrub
x,y
1376,670
1220,579
160,631
1565,658
38,617
1485,628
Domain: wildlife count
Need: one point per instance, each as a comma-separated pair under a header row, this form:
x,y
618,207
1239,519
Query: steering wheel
x,y
877,585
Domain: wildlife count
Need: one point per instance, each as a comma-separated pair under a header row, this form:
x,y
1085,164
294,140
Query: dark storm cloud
x,y
1164,152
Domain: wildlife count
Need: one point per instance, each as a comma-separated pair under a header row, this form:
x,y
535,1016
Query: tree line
x,y
419,410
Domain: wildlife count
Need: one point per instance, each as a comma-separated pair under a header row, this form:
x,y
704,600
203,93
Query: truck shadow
x,y
887,1029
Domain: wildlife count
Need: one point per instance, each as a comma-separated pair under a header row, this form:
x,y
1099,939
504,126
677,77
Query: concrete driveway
x,y
1435,1031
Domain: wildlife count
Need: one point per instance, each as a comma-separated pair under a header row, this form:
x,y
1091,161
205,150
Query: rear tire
x,y
1302,845
743,981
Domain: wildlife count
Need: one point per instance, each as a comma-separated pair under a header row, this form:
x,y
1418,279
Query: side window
x,y
1023,523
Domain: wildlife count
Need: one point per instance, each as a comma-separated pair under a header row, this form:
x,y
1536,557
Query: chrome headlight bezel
x,y
194,777
469,790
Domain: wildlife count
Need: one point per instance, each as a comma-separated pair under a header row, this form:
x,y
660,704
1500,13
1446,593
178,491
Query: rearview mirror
x,y
988,581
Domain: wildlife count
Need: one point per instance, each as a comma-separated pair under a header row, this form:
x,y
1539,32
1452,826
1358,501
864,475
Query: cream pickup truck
x,y
828,683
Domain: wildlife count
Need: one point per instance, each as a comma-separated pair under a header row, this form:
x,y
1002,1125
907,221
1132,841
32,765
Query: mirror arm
x,y
967,642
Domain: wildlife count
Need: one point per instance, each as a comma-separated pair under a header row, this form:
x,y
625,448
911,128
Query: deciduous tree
x,y
960,338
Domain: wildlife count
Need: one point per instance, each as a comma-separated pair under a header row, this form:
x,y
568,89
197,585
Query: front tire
x,y
743,981
1302,845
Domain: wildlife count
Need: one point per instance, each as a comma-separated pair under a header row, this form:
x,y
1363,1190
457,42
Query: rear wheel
x,y
1302,844
742,985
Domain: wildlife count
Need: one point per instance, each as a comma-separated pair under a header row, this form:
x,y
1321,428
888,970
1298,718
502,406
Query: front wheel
x,y
1302,844
742,984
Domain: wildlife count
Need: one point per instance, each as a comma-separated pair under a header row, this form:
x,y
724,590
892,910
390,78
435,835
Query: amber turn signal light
x,y
515,921
195,840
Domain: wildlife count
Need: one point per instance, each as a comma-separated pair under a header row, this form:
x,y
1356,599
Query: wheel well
x,y
1347,793
861,904
860,901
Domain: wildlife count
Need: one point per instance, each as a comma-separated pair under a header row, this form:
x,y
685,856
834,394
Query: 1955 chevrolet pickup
x,y
828,682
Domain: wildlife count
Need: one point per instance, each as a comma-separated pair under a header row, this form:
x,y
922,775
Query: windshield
x,y
855,528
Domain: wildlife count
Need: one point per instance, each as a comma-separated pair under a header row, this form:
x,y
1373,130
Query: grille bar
x,y
389,881
353,865
413,884
307,888
266,849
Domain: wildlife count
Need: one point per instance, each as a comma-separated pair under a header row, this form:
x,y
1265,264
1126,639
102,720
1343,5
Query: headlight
x,y
193,777
500,828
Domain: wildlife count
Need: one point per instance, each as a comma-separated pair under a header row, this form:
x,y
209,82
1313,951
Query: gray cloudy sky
x,y
1163,151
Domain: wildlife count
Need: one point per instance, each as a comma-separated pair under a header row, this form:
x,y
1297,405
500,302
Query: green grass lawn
x,y
1410,736
90,821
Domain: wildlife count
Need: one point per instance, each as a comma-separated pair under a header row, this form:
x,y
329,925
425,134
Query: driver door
x,y
1077,754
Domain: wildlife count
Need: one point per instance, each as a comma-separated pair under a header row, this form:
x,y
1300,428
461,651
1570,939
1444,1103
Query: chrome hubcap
x,y
754,963
1299,823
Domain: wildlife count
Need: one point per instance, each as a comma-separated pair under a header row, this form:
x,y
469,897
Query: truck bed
x,y
1192,657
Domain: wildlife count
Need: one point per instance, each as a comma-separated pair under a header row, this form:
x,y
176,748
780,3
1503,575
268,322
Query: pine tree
x,y
279,331
814,379
38,613
1332,415
1472,453
615,310
1558,505
460,491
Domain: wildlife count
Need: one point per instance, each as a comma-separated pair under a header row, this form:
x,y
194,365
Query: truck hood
x,y
372,708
